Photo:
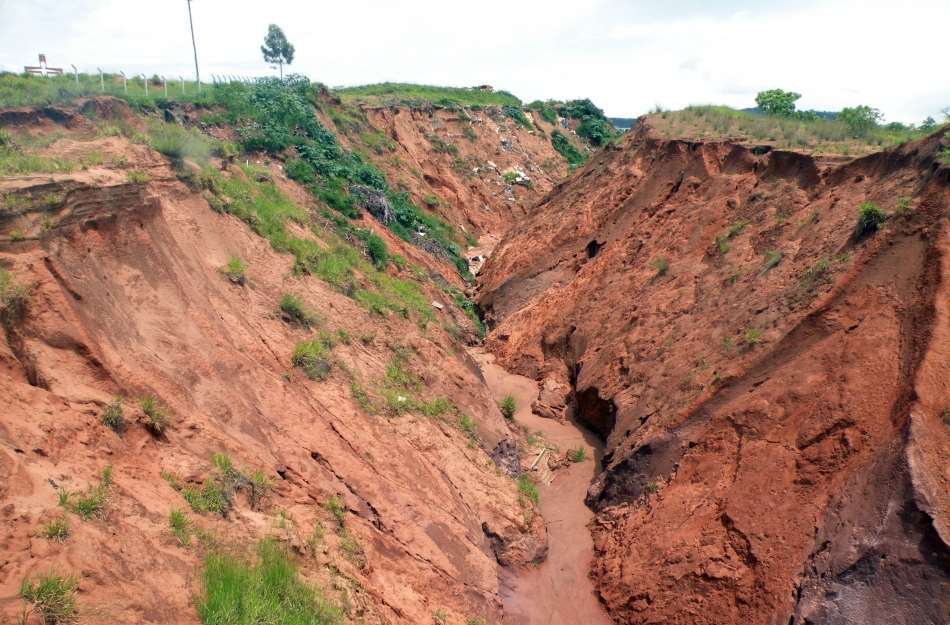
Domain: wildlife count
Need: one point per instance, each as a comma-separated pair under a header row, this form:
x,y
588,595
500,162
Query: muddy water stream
x,y
558,591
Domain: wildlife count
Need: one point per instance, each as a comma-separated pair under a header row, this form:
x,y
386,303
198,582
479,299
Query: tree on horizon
x,y
277,49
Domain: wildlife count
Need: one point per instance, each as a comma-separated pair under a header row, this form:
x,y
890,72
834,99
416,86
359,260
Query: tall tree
x,y
777,102
277,49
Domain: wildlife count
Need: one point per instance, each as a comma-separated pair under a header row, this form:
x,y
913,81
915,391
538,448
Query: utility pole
x,y
193,46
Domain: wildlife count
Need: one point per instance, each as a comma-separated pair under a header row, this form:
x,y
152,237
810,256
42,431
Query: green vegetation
x,y
137,176
113,415
277,49
594,125
468,307
662,266
92,502
240,592
577,455
376,249
13,161
816,275
777,102
293,306
772,259
860,120
13,298
752,337
211,497
508,407
722,241
515,113
57,529
565,148
235,270
527,489
454,97
312,357
51,597
335,506
352,549
216,493
467,425
157,417
180,526
441,617
870,219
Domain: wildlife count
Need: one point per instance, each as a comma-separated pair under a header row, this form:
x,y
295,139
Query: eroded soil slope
x,y
380,480
772,391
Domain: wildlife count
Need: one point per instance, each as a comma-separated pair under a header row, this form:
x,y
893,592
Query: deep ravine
x,y
558,591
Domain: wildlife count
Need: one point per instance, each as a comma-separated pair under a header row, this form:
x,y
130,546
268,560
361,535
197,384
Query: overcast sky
x,y
626,56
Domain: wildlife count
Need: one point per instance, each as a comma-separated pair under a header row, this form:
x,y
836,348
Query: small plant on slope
x,y
311,357
157,419
57,529
577,455
508,407
180,526
113,416
296,311
870,220
235,270
527,489
50,596
13,298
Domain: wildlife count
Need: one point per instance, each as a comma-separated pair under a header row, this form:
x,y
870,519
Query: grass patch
x,y
335,506
57,530
91,502
237,591
312,357
296,311
772,259
661,265
51,597
411,94
236,270
137,176
14,298
113,415
577,455
157,416
180,526
752,337
527,489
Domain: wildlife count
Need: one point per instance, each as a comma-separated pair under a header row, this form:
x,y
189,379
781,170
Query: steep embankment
x,y
359,426
771,391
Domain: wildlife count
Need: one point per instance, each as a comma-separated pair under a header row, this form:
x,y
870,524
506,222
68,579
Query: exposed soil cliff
x,y
123,264
771,390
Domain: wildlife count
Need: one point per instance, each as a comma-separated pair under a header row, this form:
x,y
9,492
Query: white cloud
x,y
626,56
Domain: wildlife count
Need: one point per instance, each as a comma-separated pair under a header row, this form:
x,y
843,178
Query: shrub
x,y
157,418
661,265
51,596
577,455
235,270
870,219
92,502
860,119
311,357
57,529
113,416
527,489
178,143
508,407
300,170
238,592
293,307
432,201
376,248
211,497
518,115
180,526
772,259
13,298
334,505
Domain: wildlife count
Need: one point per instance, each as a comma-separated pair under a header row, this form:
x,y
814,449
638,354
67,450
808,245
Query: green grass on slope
x,y
444,96
820,135
30,90
240,592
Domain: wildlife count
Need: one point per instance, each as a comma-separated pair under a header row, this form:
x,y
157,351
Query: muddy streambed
x,y
558,591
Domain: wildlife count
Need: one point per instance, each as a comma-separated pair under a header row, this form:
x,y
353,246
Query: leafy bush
x,y
51,596
870,219
179,143
860,120
566,149
113,415
293,306
238,592
157,417
515,113
300,170
508,407
376,248
311,357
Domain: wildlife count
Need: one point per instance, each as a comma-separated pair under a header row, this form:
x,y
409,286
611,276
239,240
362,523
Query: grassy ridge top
x,y
435,94
821,135
29,90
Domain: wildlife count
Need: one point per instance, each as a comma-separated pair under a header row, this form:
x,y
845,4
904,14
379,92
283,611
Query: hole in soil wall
x,y
595,412
593,248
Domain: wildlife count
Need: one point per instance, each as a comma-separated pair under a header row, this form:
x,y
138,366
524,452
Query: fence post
x,y
125,82
165,84
145,80
102,81
75,73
